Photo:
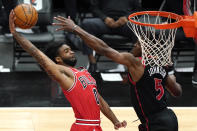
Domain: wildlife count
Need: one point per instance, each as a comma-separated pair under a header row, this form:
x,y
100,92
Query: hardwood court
x,y
61,119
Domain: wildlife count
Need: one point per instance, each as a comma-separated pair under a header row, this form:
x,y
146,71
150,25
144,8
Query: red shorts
x,y
76,127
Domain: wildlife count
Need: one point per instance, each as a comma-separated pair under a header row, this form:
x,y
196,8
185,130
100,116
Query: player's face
x,y
67,56
137,50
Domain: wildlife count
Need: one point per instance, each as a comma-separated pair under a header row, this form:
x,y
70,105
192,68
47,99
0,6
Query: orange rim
x,y
189,24
158,13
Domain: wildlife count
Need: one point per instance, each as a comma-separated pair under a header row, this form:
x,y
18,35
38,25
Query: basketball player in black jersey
x,y
149,84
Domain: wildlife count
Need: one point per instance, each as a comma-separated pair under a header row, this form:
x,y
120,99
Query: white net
x,y
156,44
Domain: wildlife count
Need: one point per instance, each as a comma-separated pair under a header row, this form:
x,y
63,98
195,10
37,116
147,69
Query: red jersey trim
x,y
138,98
87,122
139,102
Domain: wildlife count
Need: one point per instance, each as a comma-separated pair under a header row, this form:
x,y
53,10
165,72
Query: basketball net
x,y
156,44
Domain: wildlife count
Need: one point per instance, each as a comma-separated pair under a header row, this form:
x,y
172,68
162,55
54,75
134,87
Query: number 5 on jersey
x,y
159,87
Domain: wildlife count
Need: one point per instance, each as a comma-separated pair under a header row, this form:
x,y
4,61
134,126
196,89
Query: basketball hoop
x,y
156,32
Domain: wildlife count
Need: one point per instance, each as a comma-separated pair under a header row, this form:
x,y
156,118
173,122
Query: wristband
x,y
74,27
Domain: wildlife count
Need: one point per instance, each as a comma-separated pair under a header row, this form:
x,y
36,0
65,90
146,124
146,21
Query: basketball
x,y
26,16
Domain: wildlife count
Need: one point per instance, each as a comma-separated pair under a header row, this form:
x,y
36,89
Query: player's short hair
x,y
52,50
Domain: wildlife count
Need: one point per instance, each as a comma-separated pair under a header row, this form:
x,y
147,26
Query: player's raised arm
x,y
52,69
95,43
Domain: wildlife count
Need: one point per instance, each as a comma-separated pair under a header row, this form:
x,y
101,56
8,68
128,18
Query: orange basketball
x,y
26,16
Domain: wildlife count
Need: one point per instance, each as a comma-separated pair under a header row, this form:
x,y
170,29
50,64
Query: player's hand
x,y
11,22
64,23
120,125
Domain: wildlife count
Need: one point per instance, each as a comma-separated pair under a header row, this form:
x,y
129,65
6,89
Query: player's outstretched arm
x,y
106,110
48,65
93,42
172,86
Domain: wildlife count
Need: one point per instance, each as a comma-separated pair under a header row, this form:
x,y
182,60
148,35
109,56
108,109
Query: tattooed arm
x,y
59,73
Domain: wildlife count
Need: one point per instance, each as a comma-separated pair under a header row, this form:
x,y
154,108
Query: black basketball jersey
x,y
149,94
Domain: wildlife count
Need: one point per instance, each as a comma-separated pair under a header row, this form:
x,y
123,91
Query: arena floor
x,y
61,119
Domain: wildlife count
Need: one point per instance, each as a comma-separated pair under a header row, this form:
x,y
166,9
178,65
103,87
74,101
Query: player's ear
x,y
58,59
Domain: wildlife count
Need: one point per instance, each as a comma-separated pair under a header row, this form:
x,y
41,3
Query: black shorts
x,y
164,120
